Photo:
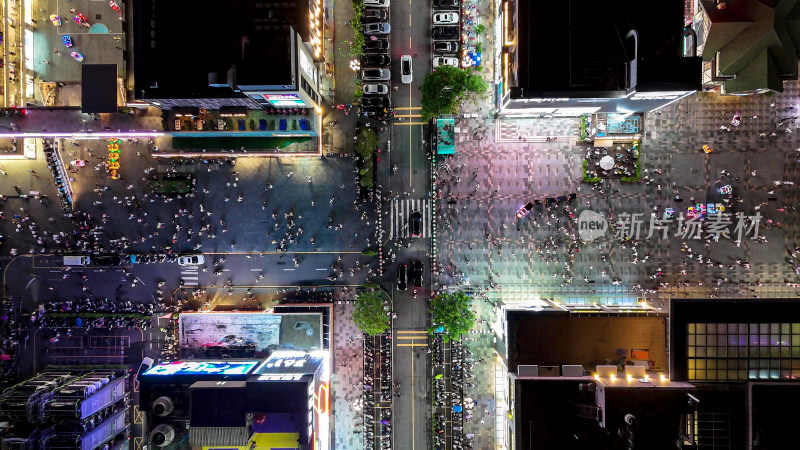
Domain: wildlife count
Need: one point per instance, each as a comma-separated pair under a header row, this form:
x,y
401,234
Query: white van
x,y
77,261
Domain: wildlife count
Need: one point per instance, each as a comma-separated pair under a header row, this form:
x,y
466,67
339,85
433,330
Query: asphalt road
x,y
411,25
31,278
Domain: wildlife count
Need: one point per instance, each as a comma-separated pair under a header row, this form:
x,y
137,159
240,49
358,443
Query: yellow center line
x,y
413,434
412,331
409,107
409,123
411,337
408,115
412,345
410,161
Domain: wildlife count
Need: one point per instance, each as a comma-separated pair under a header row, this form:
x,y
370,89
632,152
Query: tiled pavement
x,y
348,372
499,172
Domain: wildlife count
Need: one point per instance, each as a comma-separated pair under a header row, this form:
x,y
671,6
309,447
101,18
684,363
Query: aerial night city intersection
x,y
385,224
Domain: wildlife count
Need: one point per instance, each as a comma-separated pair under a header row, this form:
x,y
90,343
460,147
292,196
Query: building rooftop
x,y
579,47
173,59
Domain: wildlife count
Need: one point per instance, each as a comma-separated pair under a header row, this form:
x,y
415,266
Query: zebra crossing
x,y
189,275
400,221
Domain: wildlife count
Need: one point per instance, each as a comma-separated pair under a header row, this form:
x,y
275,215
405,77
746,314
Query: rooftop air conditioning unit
x,y
162,435
163,406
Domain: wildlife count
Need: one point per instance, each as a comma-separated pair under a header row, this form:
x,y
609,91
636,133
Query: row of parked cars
x,y
376,61
446,33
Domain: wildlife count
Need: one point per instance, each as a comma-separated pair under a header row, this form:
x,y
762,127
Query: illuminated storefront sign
x,y
284,99
113,157
203,368
292,377
292,362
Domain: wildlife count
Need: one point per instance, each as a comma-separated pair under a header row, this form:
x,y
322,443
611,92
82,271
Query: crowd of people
x,y
10,338
378,387
91,313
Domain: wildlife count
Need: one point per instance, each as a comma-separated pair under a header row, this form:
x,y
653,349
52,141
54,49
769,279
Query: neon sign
x,y
202,368
113,157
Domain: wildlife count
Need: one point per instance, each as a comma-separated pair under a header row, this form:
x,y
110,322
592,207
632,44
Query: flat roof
x,y
99,88
579,45
170,51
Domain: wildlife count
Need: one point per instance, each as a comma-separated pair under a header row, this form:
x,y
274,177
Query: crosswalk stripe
x,y
401,213
191,283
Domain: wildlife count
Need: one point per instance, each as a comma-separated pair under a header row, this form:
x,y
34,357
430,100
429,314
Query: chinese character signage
x,y
113,157
291,362
203,368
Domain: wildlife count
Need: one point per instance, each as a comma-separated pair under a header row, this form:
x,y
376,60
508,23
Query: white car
x,y
440,61
406,71
377,3
375,89
449,18
191,260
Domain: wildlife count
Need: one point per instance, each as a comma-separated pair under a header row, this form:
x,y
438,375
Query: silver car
x,y
406,70
376,75
377,28
375,89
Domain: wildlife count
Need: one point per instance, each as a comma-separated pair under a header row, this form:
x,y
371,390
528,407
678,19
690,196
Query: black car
x,y
376,102
445,33
375,60
107,260
402,277
445,47
445,4
374,14
376,46
416,223
416,273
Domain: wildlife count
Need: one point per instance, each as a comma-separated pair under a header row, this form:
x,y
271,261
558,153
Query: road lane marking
x,y
412,345
288,269
408,107
322,269
189,278
411,337
408,115
256,270
409,123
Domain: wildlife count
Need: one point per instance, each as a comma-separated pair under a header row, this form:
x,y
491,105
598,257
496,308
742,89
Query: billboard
x,y
287,362
202,368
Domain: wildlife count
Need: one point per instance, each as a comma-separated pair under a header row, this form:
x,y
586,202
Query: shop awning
x,y
240,111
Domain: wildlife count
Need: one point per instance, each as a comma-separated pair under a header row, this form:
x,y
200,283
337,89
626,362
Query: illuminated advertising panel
x,y
284,99
203,368
292,362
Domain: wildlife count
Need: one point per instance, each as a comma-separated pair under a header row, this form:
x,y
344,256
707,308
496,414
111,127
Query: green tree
x,y
452,311
444,89
369,315
366,143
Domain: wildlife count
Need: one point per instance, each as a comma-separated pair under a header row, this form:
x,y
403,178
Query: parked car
x,y
376,3
445,33
440,61
146,364
447,47
376,75
376,46
375,89
377,28
416,224
406,71
446,4
375,60
402,277
416,273
373,14
376,102
191,260
449,18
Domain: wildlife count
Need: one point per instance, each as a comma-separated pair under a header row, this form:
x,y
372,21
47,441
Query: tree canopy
x,y
445,88
452,312
367,142
369,315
